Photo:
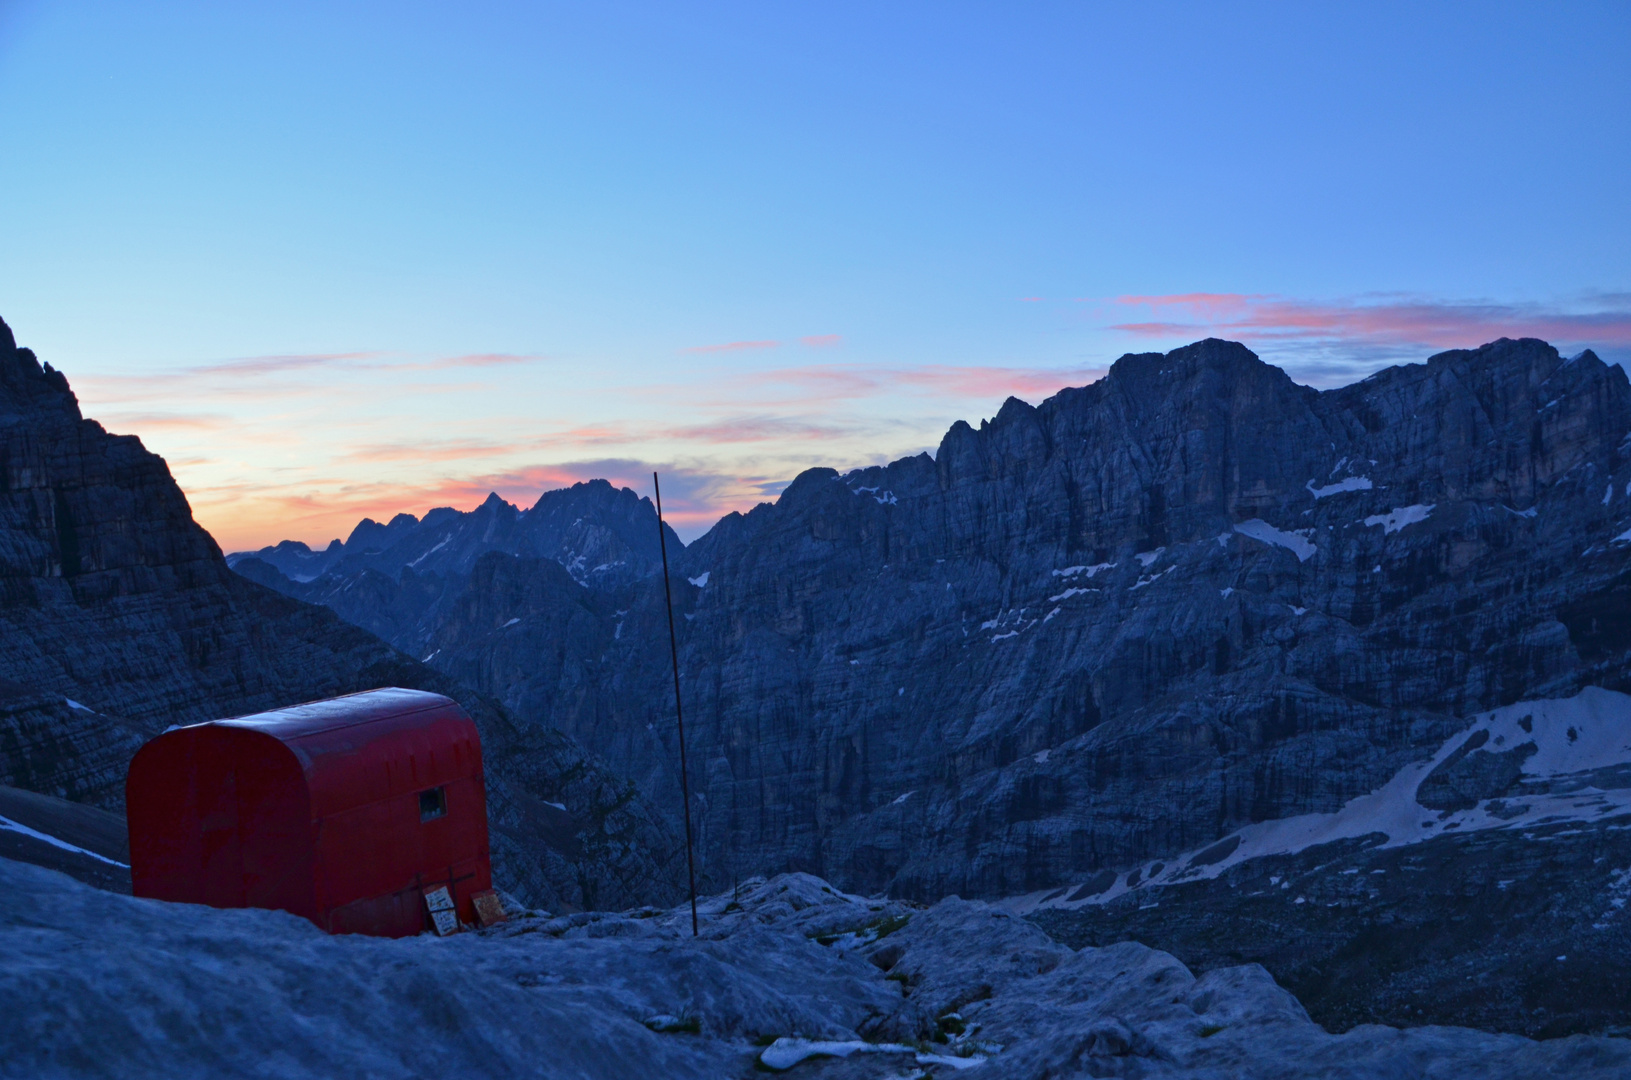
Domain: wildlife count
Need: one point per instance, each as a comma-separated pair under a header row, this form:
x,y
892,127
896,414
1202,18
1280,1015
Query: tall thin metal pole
x,y
679,715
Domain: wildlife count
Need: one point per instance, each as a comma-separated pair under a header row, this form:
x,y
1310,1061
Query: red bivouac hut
x,y
343,811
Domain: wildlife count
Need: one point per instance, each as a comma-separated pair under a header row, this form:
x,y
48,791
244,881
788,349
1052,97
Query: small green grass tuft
x,y
889,925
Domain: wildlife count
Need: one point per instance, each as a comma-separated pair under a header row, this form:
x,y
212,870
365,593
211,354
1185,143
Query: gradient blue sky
x,y
336,259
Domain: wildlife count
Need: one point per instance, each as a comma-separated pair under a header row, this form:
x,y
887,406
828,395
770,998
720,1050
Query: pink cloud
x,y
822,341
997,382
1402,322
747,429
458,450
468,360
267,365
139,422
734,346
827,383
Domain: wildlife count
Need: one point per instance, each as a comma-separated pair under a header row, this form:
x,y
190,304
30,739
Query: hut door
x,y
222,866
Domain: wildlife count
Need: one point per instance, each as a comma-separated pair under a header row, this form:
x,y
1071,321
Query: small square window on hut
x,y
432,804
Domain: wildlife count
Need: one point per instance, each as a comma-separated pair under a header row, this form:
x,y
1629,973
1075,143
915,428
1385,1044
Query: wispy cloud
x,y
270,365
734,346
823,341
312,372
122,421
749,429
825,384
432,450
478,359
1394,323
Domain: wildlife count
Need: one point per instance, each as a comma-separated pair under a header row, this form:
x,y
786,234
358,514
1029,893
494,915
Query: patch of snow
x,y
72,704
990,624
1351,483
789,1051
701,580
1153,578
902,798
1529,513
1005,637
512,622
1066,595
1226,593
431,657
556,805
886,499
1041,756
432,551
1572,736
689,616
901,692
1608,495
12,826
1049,616
1623,538
1337,467
1295,542
1148,557
1072,571
1297,610
1400,517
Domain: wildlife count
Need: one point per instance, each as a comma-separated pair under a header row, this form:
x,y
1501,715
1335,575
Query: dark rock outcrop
x,y
111,596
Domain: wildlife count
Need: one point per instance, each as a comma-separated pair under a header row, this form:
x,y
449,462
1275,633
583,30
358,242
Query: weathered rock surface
x,y
1118,628
1503,908
1190,596
119,617
95,984
81,841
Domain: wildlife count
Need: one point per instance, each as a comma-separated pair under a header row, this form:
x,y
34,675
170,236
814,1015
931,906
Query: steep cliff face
x,y
119,617
1119,624
1189,596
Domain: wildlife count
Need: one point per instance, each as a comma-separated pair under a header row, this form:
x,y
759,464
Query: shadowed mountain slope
x,y
119,617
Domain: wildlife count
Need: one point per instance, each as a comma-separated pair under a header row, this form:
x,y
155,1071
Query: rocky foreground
x,y
790,976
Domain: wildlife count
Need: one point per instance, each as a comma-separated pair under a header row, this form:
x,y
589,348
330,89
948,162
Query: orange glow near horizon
x,y
303,447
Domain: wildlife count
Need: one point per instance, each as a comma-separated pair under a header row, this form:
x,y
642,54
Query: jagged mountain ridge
x,y
119,617
396,579
601,534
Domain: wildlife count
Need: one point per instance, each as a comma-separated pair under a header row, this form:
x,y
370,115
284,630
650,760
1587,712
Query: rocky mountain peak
x,y
29,388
